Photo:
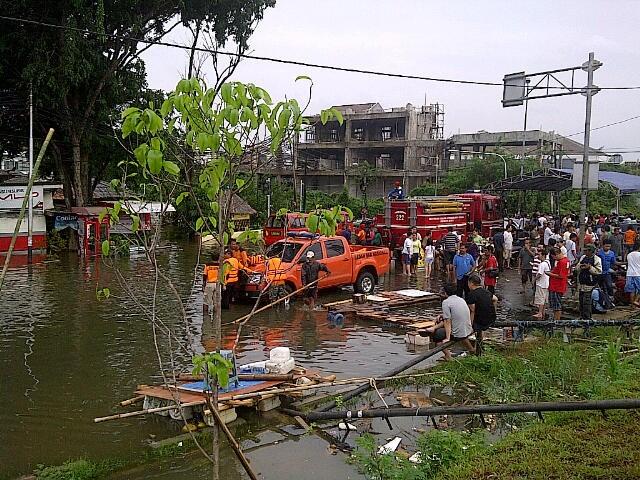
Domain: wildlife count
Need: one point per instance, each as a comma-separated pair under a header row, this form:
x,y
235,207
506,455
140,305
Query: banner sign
x,y
11,197
66,221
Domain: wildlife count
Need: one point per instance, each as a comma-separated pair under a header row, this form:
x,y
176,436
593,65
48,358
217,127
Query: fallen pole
x,y
405,366
131,401
148,410
614,404
25,202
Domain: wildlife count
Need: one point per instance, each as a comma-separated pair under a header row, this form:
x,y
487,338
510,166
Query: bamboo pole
x,y
613,404
289,377
232,441
262,309
25,202
148,410
405,366
131,401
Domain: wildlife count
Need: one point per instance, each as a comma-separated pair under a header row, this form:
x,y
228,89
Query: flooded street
x,y
66,358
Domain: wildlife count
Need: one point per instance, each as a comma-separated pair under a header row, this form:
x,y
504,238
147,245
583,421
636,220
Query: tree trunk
x,y
79,182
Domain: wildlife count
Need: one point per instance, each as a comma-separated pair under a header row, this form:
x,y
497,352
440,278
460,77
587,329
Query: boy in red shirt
x,y
559,278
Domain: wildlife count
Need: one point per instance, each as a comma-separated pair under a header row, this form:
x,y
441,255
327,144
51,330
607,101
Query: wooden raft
x,y
379,311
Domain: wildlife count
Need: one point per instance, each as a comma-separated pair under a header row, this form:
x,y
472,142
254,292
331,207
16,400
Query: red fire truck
x,y
463,212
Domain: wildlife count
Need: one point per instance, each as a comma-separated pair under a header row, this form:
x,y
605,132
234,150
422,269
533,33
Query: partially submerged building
x,y
401,144
551,149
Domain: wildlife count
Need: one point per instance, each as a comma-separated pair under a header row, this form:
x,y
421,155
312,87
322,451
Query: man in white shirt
x,y
542,221
570,244
508,247
454,323
542,284
633,276
547,234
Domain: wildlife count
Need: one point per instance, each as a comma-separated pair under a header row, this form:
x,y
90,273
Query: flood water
x,y
66,357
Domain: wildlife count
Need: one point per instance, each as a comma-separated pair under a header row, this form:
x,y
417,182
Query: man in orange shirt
x,y
209,282
629,240
231,271
275,276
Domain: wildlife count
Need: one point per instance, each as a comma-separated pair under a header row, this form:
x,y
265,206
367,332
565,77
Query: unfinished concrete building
x,y
399,144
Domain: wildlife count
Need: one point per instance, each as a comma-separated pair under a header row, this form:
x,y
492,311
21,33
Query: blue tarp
x,y
199,386
624,182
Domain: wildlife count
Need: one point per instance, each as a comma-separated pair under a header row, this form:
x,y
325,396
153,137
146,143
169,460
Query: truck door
x,y
338,261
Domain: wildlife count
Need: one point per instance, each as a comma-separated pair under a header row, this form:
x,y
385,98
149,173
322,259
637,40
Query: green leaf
x,y
171,168
240,182
283,118
324,116
155,143
166,107
199,223
154,161
181,197
103,214
338,115
202,141
227,92
135,226
106,292
105,248
141,154
129,111
312,223
215,142
233,117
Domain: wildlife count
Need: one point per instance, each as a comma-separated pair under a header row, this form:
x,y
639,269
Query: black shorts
x,y
414,259
448,257
311,292
440,334
527,275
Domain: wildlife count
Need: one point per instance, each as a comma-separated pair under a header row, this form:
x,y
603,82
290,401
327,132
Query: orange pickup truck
x,y
360,266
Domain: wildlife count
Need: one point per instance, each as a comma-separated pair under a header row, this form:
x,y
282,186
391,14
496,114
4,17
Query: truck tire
x,y
365,283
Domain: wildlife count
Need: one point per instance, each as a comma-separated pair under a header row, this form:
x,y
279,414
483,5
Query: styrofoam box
x,y
281,367
280,354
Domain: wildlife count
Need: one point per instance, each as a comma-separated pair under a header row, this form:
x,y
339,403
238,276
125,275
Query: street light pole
x,y
30,215
590,66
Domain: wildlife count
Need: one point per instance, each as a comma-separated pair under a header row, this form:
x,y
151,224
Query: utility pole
x,y
590,67
30,214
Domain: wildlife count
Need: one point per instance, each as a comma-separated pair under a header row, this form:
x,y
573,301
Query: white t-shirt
x,y
566,235
571,250
508,240
543,280
547,235
563,249
456,309
542,221
633,264
407,248
429,251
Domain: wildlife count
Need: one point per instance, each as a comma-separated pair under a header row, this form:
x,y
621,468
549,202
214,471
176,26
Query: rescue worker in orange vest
x,y
209,281
238,252
275,275
362,235
231,268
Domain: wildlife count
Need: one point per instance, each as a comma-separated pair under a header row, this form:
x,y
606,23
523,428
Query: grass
x,y
84,469
575,445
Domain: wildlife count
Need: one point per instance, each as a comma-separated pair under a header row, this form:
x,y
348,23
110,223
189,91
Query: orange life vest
x,y
211,271
274,273
231,272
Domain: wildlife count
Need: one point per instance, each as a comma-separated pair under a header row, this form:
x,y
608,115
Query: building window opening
x,y
386,133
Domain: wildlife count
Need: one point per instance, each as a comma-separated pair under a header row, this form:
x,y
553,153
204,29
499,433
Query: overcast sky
x,y
471,40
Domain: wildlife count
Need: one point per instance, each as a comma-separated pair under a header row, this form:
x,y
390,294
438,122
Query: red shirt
x,y
492,263
559,285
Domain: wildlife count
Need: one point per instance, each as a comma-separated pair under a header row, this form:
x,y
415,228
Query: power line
x,y
277,60
605,126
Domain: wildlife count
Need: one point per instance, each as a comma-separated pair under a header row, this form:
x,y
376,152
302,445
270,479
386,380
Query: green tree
x,y
81,79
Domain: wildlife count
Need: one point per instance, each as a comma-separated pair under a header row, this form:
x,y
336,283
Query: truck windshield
x,y
285,250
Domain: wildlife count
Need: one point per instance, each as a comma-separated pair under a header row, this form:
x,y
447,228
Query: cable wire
x,y
279,60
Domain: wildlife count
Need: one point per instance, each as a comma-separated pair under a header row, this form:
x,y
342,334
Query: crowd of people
x,y
552,262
